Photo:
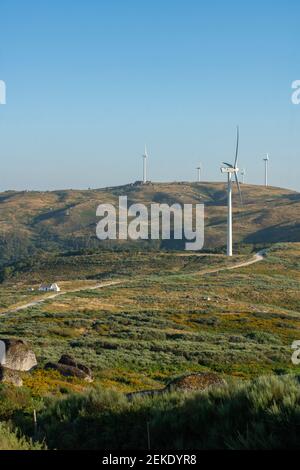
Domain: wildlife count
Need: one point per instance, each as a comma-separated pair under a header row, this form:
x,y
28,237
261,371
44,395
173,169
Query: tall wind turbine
x,y
145,158
199,173
231,170
266,160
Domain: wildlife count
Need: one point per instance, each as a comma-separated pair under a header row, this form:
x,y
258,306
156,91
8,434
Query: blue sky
x,y
90,82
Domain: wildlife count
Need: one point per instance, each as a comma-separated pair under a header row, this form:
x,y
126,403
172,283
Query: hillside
x,y
165,315
164,318
66,219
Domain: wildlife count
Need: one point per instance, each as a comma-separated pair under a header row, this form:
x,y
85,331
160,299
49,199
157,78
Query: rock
x,y
18,355
70,361
11,377
187,383
69,367
195,382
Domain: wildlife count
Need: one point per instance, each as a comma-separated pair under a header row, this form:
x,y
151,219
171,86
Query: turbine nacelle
x,y
145,154
229,170
145,158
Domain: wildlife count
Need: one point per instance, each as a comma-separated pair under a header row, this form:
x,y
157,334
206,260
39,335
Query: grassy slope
x,y
165,319
66,219
168,319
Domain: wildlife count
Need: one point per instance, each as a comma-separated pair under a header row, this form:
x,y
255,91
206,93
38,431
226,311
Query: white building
x,y
49,288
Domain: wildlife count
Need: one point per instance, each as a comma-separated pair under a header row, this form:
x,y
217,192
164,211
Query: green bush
x,y
12,400
11,440
263,337
263,414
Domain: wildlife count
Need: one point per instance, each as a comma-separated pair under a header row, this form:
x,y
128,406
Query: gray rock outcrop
x,y
187,383
18,355
69,367
10,377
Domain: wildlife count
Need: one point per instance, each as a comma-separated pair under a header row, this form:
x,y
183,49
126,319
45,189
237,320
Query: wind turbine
x,y
199,173
266,160
243,174
145,157
231,170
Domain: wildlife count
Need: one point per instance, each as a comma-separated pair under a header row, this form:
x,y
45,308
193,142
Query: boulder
x,y
70,361
195,382
69,367
186,383
10,377
18,355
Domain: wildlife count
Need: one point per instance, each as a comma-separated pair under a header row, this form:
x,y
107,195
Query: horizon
x,y
141,185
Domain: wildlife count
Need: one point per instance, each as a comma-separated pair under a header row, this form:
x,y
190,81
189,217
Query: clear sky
x,y
90,82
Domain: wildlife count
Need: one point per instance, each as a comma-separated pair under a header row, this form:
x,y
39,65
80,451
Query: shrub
x,y
11,440
263,337
263,414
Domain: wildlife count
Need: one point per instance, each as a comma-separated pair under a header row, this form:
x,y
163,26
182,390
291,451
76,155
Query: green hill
x,y
65,220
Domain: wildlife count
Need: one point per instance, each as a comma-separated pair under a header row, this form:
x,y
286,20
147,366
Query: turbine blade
x,y
237,146
228,164
238,186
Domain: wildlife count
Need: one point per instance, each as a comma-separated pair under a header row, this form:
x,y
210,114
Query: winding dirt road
x,y
255,259
57,294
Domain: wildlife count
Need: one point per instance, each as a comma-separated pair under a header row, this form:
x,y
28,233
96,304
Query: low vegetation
x,y
260,414
167,317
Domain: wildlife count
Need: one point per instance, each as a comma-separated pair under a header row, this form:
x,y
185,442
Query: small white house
x,y
49,288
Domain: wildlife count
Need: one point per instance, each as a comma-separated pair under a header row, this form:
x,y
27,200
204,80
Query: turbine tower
x,y
145,157
266,160
199,173
243,174
231,170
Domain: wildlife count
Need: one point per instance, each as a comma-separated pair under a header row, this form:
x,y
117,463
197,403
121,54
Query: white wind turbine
x,y
199,169
231,170
266,160
145,158
243,174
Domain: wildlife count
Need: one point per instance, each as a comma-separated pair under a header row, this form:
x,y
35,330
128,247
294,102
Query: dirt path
x,y
57,294
255,259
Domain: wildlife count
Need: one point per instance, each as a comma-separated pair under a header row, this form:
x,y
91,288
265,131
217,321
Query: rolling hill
x,y
63,220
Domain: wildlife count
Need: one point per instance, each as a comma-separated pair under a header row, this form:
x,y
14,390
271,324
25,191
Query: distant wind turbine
x,y
199,168
266,160
231,170
243,174
145,158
